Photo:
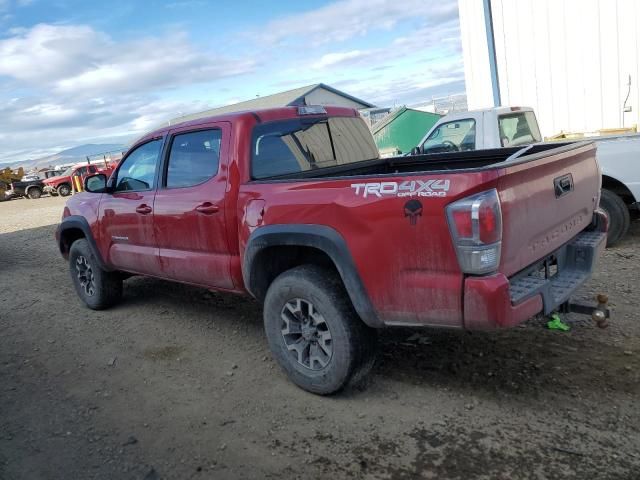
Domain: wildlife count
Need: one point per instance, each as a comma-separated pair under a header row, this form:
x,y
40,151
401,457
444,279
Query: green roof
x,y
393,115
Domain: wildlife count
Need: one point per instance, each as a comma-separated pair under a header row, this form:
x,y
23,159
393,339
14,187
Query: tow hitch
x,y
599,313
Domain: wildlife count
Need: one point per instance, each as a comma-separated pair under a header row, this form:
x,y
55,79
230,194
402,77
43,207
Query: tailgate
x,y
547,199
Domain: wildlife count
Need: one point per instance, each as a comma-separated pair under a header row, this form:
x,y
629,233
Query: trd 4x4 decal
x,y
408,188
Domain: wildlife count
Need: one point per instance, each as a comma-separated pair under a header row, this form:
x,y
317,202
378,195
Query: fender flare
x,y
320,237
77,222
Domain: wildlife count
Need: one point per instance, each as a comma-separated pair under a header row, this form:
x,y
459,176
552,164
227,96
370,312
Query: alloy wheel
x,y
85,276
306,334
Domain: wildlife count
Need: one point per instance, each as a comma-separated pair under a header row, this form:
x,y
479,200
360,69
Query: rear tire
x,y
64,190
34,193
618,213
314,333
97,288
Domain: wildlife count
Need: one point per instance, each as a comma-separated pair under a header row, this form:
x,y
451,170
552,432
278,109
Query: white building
x,y
571,60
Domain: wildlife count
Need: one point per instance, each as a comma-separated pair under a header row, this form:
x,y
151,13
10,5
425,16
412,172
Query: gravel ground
x,y
177,382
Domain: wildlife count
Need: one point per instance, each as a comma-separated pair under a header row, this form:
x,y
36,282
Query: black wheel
x,y
64,190
34,193
618,214
97,288
314,333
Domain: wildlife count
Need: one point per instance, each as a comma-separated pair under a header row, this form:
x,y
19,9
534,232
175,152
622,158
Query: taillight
x,y
475,223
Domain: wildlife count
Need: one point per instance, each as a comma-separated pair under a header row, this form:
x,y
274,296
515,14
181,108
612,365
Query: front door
x,y
189,214
126,215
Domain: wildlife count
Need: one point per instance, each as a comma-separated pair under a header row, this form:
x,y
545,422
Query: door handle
x,y
207,208
143,209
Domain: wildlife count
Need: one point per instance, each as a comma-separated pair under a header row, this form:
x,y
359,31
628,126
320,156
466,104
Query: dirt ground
x,y
177,382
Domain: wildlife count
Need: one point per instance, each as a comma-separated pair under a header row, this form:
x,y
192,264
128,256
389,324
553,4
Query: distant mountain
x,y
70,155
90,149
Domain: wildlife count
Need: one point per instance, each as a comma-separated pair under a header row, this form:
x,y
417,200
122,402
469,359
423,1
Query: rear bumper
x,y
496,301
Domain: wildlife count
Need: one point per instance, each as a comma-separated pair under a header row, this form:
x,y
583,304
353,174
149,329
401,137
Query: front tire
x,y
64,190
97,288
314,333
618,213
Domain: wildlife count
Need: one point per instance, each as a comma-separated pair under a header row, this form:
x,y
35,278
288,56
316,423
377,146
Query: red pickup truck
x,y
62,184
295,207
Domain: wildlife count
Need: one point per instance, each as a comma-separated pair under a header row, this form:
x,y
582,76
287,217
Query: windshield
x,y
67,172
299,145
454,136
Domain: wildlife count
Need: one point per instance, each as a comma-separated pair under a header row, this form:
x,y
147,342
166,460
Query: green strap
x,y
556,324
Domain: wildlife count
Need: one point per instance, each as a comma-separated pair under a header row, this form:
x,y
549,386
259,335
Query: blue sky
x,y
74,72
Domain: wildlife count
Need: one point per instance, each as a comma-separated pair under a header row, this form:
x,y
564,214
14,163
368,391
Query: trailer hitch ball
x,y
599,314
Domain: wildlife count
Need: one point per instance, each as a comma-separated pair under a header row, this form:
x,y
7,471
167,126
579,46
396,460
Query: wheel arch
x,y
619,188
274,249
75,227
31,187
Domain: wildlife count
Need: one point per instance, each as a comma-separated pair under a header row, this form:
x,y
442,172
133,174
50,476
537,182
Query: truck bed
x,y
439,162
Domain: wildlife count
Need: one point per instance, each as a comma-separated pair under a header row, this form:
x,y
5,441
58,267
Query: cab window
x,y
137,172
454,136
194,158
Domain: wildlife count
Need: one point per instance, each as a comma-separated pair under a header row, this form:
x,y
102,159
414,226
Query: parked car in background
x,y
294,206
31,176
53,173
63,184
500,127
32,189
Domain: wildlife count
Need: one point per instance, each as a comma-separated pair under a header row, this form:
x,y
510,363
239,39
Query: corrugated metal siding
x,y
568,59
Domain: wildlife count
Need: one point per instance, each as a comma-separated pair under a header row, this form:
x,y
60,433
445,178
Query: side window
x,y
194,158
138,170
455,136
92,169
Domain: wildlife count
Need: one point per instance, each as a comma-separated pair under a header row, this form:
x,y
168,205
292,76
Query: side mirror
x,y
96,183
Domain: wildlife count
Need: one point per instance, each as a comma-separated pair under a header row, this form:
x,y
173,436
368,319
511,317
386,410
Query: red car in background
x,y
63,184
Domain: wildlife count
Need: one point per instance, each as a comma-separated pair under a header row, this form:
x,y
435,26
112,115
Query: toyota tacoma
x,y
295,207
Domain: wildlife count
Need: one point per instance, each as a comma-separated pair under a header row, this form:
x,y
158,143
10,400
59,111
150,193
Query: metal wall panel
x,y
568,59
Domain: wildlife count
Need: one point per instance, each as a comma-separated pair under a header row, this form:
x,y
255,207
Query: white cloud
x,y
342,20
337,58
50,52
36,125
78,59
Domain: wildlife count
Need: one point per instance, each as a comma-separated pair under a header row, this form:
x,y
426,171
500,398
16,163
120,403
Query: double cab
x,y
294,207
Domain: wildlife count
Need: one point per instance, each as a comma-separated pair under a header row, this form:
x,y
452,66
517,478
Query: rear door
x,y
190,227
126,215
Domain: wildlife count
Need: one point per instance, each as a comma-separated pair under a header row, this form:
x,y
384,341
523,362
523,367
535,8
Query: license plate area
x,y
558,275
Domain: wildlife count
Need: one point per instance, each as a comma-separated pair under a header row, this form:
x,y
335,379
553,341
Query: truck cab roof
x,y
261,115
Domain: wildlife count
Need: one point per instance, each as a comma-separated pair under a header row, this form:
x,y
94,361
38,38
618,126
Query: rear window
x,y
300,145
519,128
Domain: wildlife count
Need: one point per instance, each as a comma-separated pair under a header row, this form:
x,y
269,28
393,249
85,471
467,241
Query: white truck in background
x,y
618,156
